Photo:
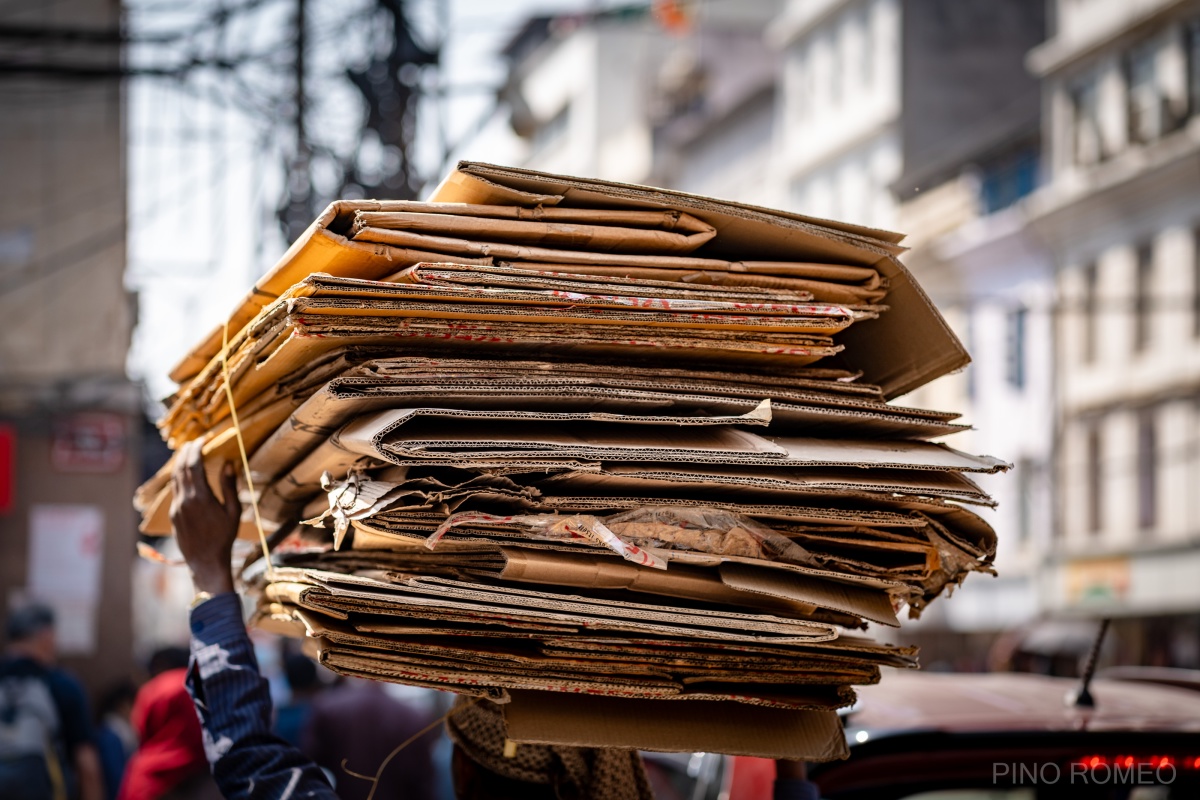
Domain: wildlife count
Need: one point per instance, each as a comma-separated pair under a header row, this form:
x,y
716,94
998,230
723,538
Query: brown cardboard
x,y
341,399
493,418
874,291
465,677
284,343
513,287
522,661
510,277
384,527
432,598
668,726
800,593
741,230
597,231
781,483
904,349
408,436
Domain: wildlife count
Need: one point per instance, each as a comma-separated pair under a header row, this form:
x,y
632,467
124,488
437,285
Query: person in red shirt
x,y
170,762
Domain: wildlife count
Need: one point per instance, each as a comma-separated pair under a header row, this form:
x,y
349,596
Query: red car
x,y
1009,736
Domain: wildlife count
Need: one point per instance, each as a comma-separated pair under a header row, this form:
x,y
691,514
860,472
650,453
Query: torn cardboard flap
x,y
861,601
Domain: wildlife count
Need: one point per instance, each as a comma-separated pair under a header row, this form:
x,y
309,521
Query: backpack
x,y
29,728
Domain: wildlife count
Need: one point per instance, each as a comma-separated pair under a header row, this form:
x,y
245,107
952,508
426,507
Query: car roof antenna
x,y
1082,697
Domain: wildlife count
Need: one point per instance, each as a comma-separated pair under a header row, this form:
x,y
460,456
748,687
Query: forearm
x,y
233,701
87,767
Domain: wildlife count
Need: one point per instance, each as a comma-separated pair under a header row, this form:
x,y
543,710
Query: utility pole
x,y
302,150
297,212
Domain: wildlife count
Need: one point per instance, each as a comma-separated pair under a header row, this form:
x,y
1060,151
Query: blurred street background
x,y
1042,156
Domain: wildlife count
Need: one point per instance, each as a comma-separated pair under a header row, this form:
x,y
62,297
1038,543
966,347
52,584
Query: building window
x,y
1026,481
1006,180
1015,360
1085,105
1196,282
801,79
1147,470
1090,326
836,66
1145,100
1142,296
1095,478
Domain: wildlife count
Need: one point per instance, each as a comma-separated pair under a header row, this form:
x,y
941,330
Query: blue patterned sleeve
x,y
234,704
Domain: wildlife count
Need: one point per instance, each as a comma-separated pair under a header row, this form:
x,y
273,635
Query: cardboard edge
x,y
674,726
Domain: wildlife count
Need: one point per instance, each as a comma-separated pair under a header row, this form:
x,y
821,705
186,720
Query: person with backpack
x,y
46,747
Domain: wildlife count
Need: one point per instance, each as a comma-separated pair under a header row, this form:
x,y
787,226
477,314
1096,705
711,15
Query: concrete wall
x,y
40,482
66,313
588,92
62,210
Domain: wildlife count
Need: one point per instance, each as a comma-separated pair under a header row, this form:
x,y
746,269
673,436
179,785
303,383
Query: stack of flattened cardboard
x,y
620,459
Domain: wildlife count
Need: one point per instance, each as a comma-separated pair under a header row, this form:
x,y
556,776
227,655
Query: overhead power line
x,y
106,72
39,34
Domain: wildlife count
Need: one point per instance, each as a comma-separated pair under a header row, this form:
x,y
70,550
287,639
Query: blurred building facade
x,y
70,420
1043,158
1121,216
920,116
617,95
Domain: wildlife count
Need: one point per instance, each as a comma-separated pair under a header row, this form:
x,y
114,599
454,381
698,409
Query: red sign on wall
x,y
8,468
89,442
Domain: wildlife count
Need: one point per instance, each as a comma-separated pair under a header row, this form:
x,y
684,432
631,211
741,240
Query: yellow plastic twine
x,y
237,430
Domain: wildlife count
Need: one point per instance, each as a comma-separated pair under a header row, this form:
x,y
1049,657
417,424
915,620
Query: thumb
x,y
229,495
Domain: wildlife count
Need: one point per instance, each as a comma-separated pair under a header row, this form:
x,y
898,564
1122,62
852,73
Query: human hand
x,y
205,527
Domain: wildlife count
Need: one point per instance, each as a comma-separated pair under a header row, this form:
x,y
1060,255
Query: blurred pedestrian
x,y
46,745
167,658
170,762
304,683
359,722
115,737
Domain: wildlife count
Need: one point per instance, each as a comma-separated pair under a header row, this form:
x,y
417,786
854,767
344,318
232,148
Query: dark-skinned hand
x,y
205,527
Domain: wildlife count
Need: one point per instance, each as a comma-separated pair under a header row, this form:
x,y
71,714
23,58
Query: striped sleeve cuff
x,y
218,619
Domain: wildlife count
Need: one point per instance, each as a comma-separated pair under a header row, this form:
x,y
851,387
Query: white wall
x,y
588,90
840,91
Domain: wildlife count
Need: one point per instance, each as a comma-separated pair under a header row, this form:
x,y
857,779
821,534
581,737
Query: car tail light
x,y
1155,761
